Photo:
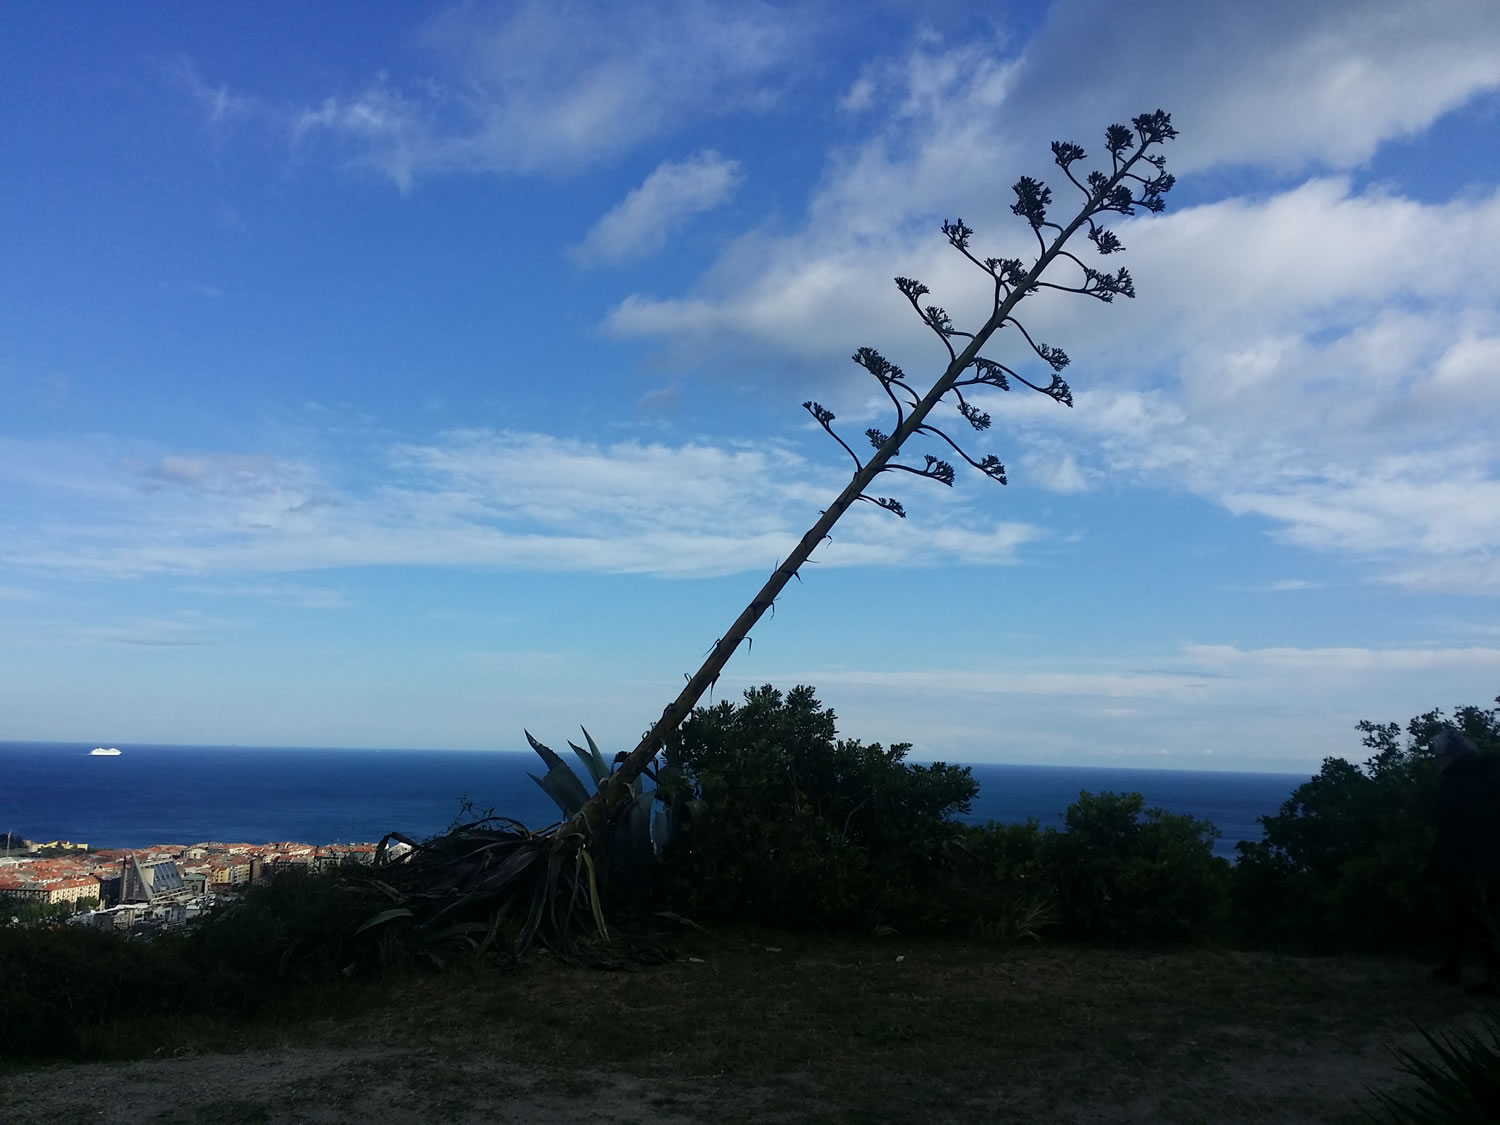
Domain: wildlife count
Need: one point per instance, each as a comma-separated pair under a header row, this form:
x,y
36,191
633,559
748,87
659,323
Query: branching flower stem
x,y
1102,195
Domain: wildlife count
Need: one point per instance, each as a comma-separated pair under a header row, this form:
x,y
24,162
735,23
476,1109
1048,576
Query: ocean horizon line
x,y
1132,763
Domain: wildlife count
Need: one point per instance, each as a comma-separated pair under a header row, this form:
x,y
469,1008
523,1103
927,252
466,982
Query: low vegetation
x,y
802,829
835,853
797,1027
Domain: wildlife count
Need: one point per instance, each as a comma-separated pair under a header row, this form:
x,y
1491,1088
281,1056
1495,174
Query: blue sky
x,y
410,375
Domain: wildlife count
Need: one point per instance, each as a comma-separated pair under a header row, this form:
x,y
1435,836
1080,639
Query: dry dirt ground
x,y
1302,1082
819,1034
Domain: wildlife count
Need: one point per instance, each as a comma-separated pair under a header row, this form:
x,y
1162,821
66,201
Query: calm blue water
x,y
184,794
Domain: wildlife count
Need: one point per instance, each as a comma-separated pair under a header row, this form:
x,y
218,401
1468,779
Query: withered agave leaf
x,y
460,889
383,917
462,933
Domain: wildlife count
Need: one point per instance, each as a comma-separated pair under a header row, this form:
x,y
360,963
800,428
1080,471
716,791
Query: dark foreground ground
x,y
774,1028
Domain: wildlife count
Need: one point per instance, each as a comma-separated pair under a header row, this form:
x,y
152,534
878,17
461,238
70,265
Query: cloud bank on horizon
x,y
400,382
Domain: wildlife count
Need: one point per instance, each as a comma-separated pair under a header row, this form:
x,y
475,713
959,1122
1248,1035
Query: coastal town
x,y
156,887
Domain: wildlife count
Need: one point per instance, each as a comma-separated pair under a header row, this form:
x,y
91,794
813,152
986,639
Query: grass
x,y
771,1026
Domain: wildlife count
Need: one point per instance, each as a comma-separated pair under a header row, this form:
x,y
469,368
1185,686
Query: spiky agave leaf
x,y
1462,1085
592,760
560,783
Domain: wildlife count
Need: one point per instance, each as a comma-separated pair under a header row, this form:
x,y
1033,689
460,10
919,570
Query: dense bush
x,y
1342,866
1126,875
997,877
64,984
14,908
73,988
801,828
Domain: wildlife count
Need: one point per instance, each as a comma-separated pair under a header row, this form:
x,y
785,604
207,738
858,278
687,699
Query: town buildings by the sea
x,y
157,886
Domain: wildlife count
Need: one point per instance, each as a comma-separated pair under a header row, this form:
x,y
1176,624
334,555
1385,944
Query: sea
x,y
190,794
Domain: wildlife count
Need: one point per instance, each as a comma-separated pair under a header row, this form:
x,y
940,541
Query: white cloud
x,y
1443,517
1279,83
480,499
16,594
1056,472
1339,661
543,87
1473,574
1469,373
859,97
673,193
1286,359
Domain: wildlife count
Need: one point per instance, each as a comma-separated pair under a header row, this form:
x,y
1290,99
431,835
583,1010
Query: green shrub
x,y
1124,876
300,926
63,988
999,883
799,827
1342,865
63,983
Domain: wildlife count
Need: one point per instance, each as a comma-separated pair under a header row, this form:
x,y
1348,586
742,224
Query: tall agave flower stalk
x,y
1137,178
463,887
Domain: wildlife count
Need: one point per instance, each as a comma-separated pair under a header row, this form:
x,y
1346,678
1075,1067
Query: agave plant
x,y
494,883
629,853
1461,1085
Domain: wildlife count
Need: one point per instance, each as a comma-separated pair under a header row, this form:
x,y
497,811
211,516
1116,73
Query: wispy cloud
x,y
540,87
1280,586
860,95
183,630
1340,660
1477,573
1281,707
220,106
283,593
1121,684
672,194
16,594
482,498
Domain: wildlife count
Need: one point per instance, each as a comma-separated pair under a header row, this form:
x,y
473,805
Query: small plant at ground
x,y
1459,1085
